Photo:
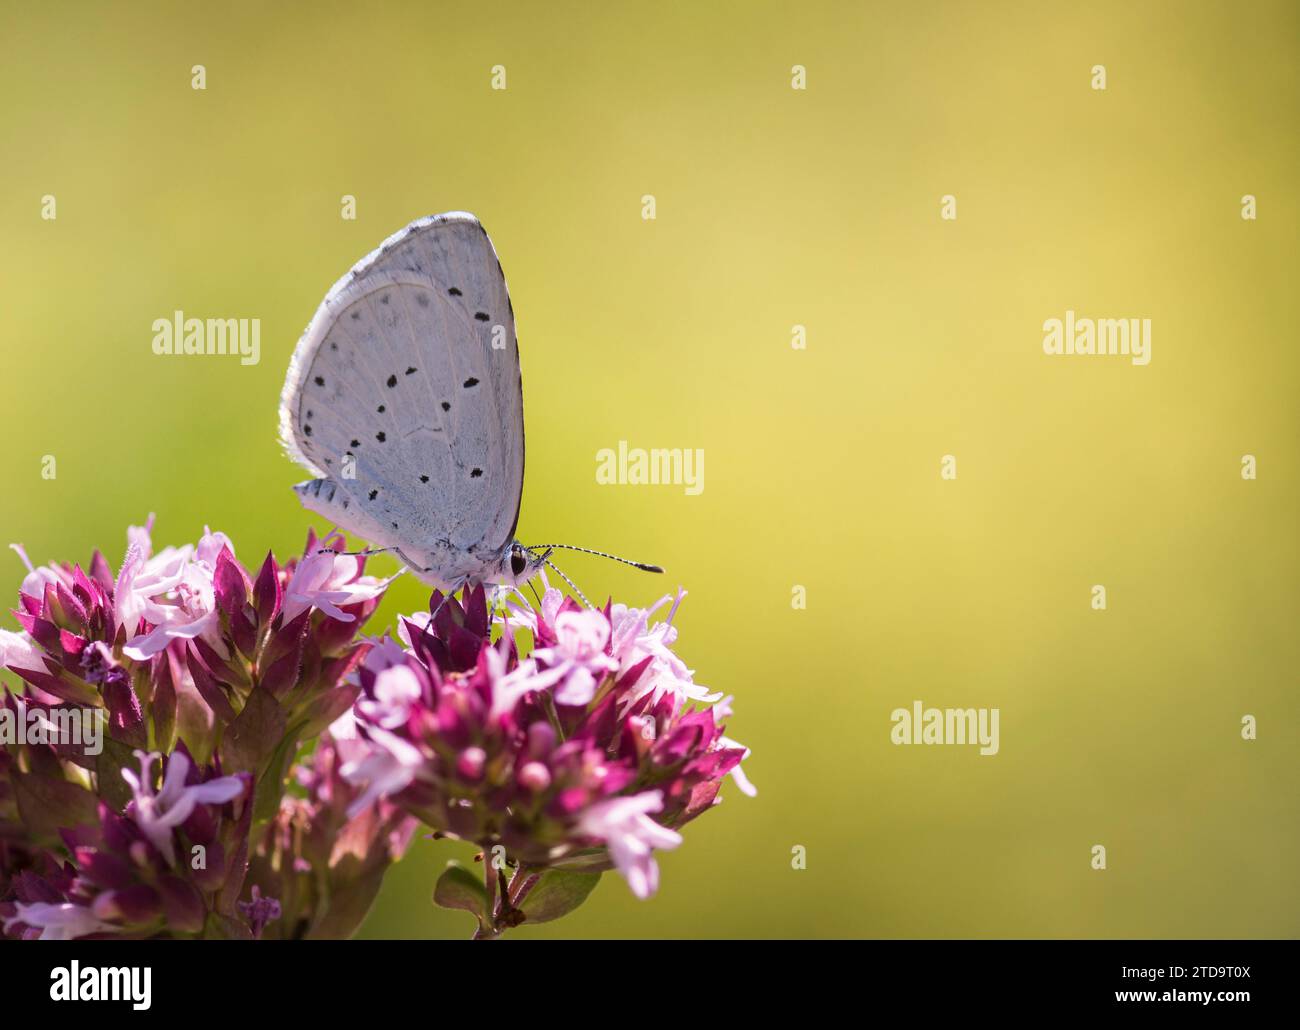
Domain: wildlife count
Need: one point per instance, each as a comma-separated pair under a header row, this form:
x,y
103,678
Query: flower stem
x,y
521,883
490,932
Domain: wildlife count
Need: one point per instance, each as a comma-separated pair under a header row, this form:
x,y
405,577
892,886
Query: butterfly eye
x,y
518,562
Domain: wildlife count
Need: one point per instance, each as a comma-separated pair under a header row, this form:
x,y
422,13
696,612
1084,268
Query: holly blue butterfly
x,y
404,398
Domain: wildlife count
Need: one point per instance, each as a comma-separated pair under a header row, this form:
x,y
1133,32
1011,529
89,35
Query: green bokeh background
x,y
775,207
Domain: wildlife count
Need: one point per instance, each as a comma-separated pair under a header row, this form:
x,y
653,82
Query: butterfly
x,y
404,397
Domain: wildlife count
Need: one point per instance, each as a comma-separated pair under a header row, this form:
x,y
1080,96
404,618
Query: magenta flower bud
x,y
541,739
229,584
469,765
282,659
209,689
534,777
267,592
243,630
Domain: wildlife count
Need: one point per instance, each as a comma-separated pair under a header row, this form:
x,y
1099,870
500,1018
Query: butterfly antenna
x,y
559,572
643,566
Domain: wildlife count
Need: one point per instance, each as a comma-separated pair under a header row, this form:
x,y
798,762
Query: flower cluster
x,y
191,686
168,864
195,751
588,754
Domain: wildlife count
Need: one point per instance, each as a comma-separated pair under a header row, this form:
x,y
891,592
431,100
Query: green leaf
x,y
351,896
557,893
457,887
252,738
45,806
115,757
325,709
589,860
270,787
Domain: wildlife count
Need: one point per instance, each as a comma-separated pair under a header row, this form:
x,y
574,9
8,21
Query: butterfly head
x,y
521,564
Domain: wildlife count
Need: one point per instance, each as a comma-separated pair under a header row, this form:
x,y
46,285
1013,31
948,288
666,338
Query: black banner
x,y
1229,979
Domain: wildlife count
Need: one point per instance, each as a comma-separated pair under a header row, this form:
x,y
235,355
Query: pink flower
x,y
508,688
625,827
36,580
159,814
172,590
420,620
18,651
387,767
396,688
58,922
523,614
634,640
328,581
578,662
721,711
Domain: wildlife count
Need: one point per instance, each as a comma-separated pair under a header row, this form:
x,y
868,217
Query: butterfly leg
x,y
459,585
357,554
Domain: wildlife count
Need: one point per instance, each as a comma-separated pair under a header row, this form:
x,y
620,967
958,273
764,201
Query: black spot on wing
x,y
471,381
392,381
482,316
